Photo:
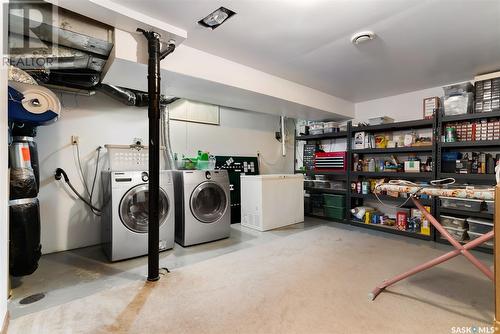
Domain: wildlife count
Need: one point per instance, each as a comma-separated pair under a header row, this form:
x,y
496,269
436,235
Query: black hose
x,y
60,173
95,175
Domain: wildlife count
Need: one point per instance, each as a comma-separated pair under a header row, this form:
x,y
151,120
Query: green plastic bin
x,y
335,212
334,200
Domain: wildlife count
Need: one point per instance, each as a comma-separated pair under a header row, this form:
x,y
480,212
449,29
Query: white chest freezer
x,y
272,201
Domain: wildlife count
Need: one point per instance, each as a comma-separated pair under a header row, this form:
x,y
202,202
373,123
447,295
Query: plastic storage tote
x,y
464,204
473,235
335,212
334,200
490,206
455,222
477,225
458,234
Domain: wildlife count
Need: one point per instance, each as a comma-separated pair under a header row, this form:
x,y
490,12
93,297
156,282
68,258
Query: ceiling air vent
x,y
362,37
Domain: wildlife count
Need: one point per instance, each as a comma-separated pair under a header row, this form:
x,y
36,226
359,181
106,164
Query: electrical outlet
x,y
75,140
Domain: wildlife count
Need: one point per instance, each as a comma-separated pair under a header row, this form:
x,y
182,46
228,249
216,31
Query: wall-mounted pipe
x,y
168,50
283,136
168,155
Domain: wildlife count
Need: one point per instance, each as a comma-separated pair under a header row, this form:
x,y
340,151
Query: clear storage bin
x,y
465,204
316,132
477,225
490,206
459,104
458,234
455,222
473,236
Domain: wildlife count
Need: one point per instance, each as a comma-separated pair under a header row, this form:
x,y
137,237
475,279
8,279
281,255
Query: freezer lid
x,y
271,177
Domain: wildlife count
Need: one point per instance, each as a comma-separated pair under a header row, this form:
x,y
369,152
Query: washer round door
x,y
134,210
208,202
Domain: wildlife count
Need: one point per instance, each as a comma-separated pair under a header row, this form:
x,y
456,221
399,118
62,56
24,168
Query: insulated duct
x,y
168,155
283,136
135,98
131,97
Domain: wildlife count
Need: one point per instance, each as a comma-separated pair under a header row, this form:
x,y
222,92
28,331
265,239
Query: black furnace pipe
x,y
154,153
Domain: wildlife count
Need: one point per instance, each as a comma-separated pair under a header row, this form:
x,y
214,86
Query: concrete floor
x,y
71,275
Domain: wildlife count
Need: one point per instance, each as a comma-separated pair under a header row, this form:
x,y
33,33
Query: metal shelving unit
x,y
469,117
390,229
326,190
395,175
394,150
472,179
424,201
474,143
324,136
357,199
435,151
334,175
408,125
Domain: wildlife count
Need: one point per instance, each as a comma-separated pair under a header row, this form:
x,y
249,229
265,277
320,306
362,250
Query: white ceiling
x,y
419,44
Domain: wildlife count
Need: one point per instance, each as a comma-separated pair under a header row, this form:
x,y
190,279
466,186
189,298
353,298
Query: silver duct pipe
x,y
283,136
168,155
139,99
123,95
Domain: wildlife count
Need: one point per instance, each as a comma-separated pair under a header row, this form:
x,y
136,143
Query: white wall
x,y
100,120
403,107
4,197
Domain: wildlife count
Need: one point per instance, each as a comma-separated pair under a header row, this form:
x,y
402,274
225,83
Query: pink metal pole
x,y
460,249
456,244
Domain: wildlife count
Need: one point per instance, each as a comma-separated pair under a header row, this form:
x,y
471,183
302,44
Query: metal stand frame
x,y
460,249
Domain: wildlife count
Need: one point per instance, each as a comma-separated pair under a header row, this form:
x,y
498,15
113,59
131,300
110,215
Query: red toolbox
x,y
330,161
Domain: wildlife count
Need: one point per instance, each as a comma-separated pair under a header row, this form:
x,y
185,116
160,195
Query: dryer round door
x,y
134,209
208,202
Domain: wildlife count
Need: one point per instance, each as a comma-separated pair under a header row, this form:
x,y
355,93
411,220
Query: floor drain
x,y
31,299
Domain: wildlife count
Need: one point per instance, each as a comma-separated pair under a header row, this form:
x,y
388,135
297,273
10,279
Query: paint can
x,y
401,220
368,217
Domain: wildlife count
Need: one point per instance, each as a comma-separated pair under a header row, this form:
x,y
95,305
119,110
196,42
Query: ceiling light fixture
x,y
216,18
362,37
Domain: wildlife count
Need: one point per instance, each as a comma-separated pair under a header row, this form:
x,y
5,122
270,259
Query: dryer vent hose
x,y
61,174
168,155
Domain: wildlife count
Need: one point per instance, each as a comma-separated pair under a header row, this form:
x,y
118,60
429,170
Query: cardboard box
x,y
430,105
412,166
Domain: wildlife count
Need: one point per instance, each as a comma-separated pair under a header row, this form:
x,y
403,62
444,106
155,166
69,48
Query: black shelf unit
x,y
356,199
389,229
437,125
424,201
469,178
343,176
326,190
469,144
331,135
394,175
463,213
468,117
472,179
417,124
394,150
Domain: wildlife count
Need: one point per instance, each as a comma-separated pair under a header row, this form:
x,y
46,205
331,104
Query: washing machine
x,y
124,217
202,206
